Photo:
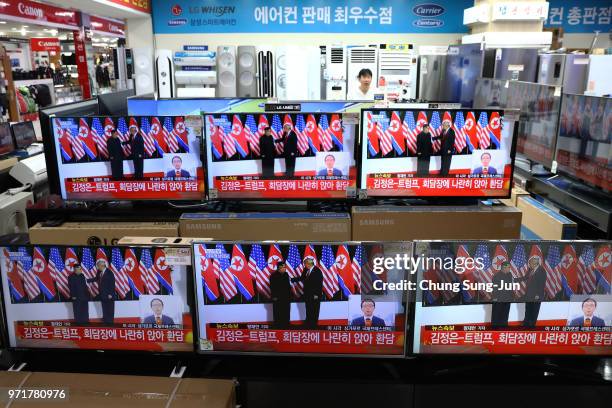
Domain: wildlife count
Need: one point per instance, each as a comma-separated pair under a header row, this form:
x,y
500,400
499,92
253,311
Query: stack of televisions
x,y
331,157
16,136
351,298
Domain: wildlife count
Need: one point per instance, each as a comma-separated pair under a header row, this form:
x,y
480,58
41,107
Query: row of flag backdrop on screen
x,y
83,140
571,269
393,133
236,136
41,274
240,273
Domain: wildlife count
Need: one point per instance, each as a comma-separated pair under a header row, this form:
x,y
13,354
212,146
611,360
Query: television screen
x,y
24,134
7,145
408,153
522,297
314,160
584,147
150,158
104,298
307,298
539,113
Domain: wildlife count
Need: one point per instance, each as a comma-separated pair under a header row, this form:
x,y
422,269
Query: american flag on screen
x,y
410,131
435,128
168,134
447,275
228,285
150,142
386,144
586,270
257,264
300,127
277,128
124,136
89,270
519,266
485,274
460,135
330,279
59,273
250,131
225,131
148,274
554,280
99,137
294,269
122,286
326,137
24,268
484,140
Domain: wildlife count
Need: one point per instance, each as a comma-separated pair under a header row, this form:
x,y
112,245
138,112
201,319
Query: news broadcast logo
x,y
428,10
176,10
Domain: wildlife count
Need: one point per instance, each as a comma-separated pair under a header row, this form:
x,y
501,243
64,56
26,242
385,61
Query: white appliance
x,y
143,70
32,171
195,58
195,78
247,71
298,73
164,68
335,72
361,58
13,212
226,71
397,71
266,77
598,82
195,92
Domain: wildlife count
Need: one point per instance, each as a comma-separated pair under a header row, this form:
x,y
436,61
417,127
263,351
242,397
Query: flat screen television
x,y
474,158
24,134
239,166
54,297
584,146
513,297
327,299
7,144
93,167
539,107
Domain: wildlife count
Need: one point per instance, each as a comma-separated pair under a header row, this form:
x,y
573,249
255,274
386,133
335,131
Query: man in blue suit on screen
x,y
589,319
158,318
485,169
368,319
177,173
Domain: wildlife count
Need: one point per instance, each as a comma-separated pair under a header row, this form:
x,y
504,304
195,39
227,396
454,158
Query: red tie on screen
x,y
485,170
329,172
158,321
587,322
368,322
178,173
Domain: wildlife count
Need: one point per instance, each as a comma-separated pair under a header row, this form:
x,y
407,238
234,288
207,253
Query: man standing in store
x,y
290,146
536,282
106,286
424,152
115,154
281,296
313,291
79,296
138,152
501,297
446,149
266,147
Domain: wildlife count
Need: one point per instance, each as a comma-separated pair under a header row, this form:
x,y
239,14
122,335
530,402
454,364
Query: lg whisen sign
x,y
25,10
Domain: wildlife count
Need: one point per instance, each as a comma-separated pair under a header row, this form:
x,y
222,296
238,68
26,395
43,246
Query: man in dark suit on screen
x,y
447,147
115,153
588,319
281,296
290,146
330,170
368,319
424,151
106,286
536,283
313,291
177,172
485,169
138,152
158,318
79,296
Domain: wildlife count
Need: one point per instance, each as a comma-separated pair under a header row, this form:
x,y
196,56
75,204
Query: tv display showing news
x,y
149,158
539,113
465,153
306,155
584,147
522,297
7,145
24,134
308,298
103,298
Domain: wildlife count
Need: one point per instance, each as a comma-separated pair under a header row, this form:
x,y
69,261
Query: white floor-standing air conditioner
x,y
397,71
335,72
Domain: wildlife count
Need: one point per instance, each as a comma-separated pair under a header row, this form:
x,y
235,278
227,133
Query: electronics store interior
x,y
260,204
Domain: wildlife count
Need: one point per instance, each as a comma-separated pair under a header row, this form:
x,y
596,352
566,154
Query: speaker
x,y
226,71
165,73
247,72
143,70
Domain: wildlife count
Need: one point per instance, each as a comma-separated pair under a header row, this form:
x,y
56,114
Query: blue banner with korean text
x,y
580,16
309,16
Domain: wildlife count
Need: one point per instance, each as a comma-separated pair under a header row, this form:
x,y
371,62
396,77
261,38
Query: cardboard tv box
x,y
393,223
99,390
300,226
542,222
98,233
516,193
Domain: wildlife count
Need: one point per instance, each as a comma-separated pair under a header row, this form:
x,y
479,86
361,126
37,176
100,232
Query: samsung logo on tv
x,y
428,10
428,23
177,21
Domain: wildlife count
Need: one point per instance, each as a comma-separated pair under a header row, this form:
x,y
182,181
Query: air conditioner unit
x,y
335,75
298,73
360,58
195,77
397,71
203,59
13,212
164,71
266,77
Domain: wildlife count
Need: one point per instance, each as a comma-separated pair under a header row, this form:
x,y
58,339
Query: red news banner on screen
x,y
463,153
103,298
523,297
130,158
298,298
304,155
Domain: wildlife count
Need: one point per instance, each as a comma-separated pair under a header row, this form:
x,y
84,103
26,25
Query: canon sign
x,y
428,10
31,11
